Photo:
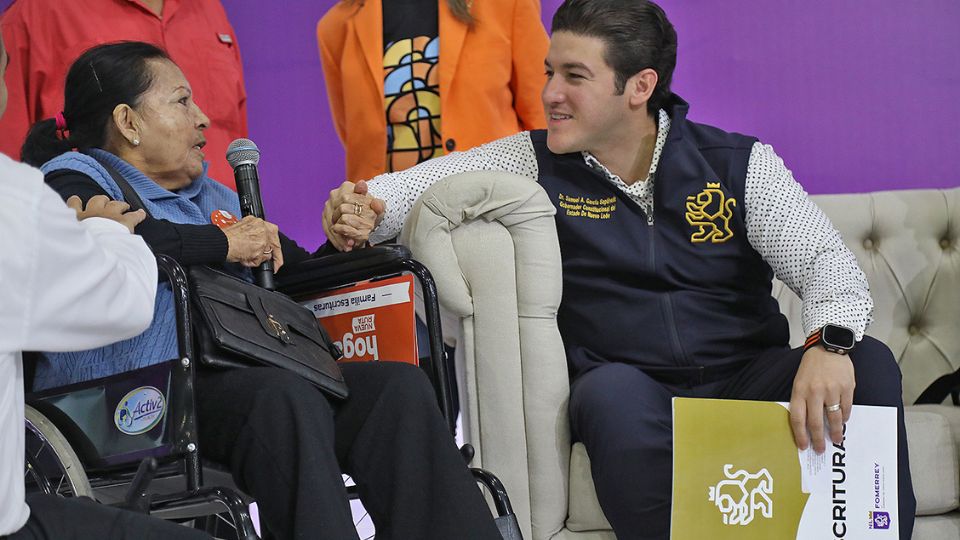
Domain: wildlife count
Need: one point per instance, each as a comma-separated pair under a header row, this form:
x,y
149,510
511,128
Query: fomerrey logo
x,y
140,410
879,520
742,494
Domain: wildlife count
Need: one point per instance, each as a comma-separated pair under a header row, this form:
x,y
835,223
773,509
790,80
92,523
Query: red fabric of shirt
x,y
43,37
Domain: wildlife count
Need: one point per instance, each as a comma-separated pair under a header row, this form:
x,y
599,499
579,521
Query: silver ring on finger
x,y
832,408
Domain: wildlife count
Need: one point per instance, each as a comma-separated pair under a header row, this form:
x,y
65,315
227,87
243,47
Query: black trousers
x,y
56,518
624,418
287,444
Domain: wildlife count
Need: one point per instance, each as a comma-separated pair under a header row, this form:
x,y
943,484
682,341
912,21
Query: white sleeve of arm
x,y
400,190
93,283
802,246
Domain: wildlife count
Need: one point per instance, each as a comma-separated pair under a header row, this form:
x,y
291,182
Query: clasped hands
x,y
350,215
823,381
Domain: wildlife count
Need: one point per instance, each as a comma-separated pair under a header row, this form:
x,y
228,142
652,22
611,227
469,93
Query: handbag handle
x,y
130,195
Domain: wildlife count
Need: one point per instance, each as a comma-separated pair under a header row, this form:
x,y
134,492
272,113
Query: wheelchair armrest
x,y
338,269
170,270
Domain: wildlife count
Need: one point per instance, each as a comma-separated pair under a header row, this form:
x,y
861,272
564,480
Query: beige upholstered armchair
x,y
490,242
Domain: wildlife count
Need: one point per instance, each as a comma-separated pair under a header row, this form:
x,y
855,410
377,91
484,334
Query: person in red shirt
x,y
43,37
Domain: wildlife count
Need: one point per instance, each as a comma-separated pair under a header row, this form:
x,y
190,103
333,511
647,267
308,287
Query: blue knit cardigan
x,y
190,205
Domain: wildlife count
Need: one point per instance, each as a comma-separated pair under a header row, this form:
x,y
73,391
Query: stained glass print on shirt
x,y
412,101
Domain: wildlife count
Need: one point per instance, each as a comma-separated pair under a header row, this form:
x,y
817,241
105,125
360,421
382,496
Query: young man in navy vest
x,y
670,233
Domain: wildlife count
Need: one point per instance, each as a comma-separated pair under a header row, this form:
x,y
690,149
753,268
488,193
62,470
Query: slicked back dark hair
x,y
100,79
636,33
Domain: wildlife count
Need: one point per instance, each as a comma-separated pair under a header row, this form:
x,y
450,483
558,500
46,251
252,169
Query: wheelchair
x,y
131,440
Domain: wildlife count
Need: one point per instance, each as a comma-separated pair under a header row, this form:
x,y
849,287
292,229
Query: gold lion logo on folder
x,y
741,495
710,211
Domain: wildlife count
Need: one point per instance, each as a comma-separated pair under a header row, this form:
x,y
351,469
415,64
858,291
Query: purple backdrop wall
x,y
856,96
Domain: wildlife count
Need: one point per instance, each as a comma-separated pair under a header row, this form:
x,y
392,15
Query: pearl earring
x,y
136,142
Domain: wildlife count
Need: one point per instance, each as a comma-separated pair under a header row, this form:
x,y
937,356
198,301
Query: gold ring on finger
x,y
357,208
832,408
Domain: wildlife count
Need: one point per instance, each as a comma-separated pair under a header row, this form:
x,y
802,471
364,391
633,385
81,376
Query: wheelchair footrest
x,y
179,506
137,498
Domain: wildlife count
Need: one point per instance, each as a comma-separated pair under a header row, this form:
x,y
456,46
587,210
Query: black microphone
x,y
243,155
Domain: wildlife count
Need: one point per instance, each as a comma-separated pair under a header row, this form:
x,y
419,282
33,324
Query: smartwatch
x,y
833,338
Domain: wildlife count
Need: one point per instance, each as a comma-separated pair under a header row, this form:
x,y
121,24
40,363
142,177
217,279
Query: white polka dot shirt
x,y
783,225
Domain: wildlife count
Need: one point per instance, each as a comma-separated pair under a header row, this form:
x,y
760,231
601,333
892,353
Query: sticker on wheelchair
x,y
140,410
370,321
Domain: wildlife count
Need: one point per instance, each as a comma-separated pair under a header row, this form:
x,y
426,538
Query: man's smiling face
x,y
584,111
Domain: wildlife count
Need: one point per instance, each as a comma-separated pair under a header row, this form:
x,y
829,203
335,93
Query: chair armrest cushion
x,y
933,458
490,242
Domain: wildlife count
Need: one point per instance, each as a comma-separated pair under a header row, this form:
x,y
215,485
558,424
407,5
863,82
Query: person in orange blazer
x,y
490,75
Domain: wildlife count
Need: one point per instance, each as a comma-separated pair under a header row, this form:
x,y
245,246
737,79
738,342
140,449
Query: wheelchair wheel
x,y
51,465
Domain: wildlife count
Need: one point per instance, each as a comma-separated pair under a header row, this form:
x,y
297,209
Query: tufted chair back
x,y
908,244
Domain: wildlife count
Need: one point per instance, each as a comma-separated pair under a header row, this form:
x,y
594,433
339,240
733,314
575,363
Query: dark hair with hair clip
x,y
100,79
636,36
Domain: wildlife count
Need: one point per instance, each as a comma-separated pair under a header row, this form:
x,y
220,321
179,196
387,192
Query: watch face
x,y
838,336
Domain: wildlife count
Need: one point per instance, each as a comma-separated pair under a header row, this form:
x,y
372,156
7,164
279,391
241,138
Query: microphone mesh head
x,y
243,151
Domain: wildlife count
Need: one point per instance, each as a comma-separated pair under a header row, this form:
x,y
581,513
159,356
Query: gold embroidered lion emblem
x,y
710,211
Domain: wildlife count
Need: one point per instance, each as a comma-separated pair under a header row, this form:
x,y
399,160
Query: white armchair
x,y
489,241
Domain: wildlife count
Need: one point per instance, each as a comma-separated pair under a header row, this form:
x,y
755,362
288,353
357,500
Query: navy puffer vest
x,y
685,295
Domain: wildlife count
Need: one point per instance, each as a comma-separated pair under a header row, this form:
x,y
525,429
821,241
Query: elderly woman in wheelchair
x,y
129,108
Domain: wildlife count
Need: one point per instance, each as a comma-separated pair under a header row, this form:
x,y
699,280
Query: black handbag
x,y
242,325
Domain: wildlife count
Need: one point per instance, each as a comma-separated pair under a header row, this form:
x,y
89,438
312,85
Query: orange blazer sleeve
x,y
530,44
331,31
